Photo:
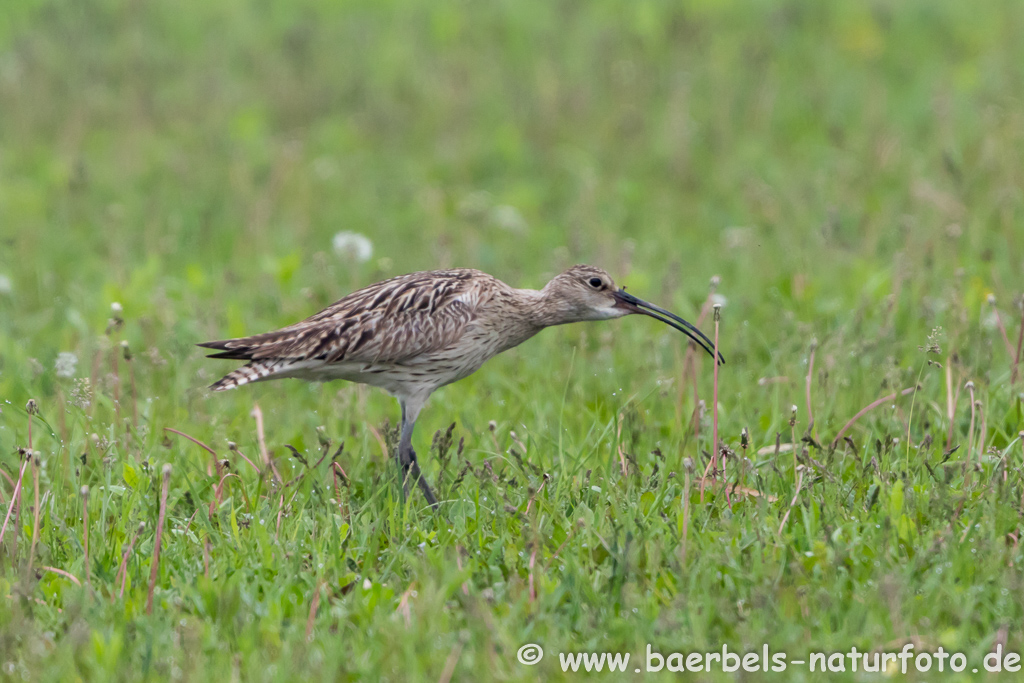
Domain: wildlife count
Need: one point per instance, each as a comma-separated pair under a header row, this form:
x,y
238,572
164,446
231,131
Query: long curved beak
x,y
635,305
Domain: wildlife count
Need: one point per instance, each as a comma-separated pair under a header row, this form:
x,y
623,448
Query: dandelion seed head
x,y
508,218
353,245
66,364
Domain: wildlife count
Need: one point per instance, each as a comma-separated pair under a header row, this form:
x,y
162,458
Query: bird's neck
x,y
544,310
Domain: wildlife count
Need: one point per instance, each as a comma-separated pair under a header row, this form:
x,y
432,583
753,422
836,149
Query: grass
x,y
850,172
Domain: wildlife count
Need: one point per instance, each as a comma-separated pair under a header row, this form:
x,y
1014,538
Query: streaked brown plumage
x,y
415,333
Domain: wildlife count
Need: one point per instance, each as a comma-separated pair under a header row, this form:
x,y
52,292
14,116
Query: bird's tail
x,y
253,372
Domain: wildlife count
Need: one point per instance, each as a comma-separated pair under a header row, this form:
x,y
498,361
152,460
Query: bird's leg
x,y
407,461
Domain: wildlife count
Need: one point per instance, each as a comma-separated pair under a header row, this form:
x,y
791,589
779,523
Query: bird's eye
x,y
596,283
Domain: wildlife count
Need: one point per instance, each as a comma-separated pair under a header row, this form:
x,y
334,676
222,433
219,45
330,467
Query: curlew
x,y
413,334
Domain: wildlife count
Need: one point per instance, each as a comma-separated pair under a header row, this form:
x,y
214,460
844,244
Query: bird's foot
x,y
411,471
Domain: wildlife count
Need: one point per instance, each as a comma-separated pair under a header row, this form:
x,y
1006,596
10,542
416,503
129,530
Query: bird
x,y
414,333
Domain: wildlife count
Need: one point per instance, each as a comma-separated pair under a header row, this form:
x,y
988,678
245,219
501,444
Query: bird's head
x,y
588,293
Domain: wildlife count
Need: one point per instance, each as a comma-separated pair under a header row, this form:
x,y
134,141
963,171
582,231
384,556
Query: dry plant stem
x,y
970,430
696,400
796,463
280,512
450,663
714,409
209,471
206,557
1020,343
983,432
236,449
691,348
458,564
534,496
618,441
384,444
123,569
68,575
785,517
14,499
264,454
704,478
868,408
1002,331
686,520
85,531
35,512
690,363
314,605
155,568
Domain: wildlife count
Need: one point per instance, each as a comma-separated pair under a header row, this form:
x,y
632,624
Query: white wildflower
x,y
354,246
736,237
508,218
66,364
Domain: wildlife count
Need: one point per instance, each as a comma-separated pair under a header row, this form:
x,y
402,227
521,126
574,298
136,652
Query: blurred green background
x,y
852,171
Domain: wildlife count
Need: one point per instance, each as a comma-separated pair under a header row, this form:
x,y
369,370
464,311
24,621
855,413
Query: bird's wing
x,y
390,321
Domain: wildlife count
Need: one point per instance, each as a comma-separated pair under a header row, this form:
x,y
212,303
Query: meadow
x,y
843,179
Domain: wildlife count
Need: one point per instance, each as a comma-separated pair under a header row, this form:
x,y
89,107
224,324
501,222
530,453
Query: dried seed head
x,y
126,350
969,386
688,464
116,319
492,425
814,343
166,470
992,299
84,491
745,438
792,415
32,407
232,446
718,311
715,281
